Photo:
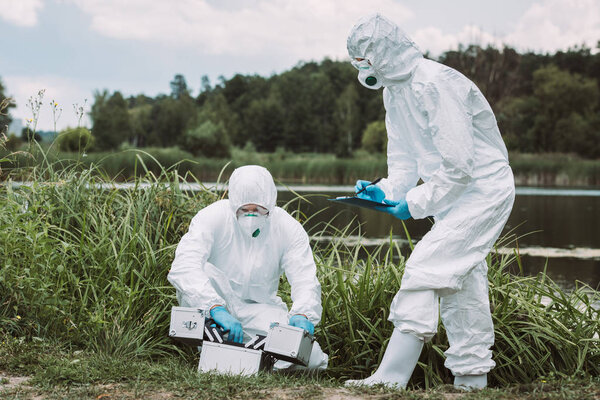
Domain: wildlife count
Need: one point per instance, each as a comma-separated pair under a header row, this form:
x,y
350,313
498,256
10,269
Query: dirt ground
x,y
19,388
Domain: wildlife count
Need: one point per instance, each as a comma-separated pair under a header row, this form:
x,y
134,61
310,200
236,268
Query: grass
x,y
56,372
289,167
529,169
84,270
555,170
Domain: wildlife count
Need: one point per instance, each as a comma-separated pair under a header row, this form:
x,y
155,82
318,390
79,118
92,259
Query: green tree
x,y
179,87
559,116
169,120
308,102
140,112
264,122
579,134
495,72
218,110
28,135
374,138
11,143
208,140
74,139
5,105
560,94
232,101
515,118
111,122
347,120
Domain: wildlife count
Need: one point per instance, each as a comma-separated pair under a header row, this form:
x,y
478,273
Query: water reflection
x,y
539,220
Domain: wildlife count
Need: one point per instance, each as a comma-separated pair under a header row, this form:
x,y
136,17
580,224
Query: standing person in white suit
x,y
230,261
442,130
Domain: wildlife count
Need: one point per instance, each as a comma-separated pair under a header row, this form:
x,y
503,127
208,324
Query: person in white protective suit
x,y
230,261
442,130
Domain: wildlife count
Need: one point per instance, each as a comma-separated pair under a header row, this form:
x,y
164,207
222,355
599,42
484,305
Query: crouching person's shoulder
x,y
217,213
287,226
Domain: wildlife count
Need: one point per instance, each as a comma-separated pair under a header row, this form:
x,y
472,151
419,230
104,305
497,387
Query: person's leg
x,y
467,318
415,316
256,318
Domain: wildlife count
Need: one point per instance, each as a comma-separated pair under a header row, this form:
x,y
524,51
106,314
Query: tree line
x,y
543,103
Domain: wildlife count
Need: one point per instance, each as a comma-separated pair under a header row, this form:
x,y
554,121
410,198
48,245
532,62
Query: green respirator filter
x,y
371,81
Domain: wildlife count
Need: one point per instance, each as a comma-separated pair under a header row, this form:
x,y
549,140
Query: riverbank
x,y
84,269
560,170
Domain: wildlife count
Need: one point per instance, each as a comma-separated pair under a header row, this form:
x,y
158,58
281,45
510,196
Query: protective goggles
x,y
252,209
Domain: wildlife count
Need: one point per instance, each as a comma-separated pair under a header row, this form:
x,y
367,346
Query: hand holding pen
x,y
364,187
367,190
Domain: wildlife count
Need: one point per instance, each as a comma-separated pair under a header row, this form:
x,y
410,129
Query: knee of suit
x,y
421,332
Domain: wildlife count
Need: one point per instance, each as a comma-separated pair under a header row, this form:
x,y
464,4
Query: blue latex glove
x,y
373,192
399,209
300,321
228,323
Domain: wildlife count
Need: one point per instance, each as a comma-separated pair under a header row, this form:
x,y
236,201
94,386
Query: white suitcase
x,y
231,359
187,325
289,343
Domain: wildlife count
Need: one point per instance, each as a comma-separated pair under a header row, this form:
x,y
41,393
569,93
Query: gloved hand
x,y
399,209
300,321
373,192
228,323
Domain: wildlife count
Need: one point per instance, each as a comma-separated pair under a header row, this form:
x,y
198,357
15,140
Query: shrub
x,y
374,137
208,139
11,143
75,139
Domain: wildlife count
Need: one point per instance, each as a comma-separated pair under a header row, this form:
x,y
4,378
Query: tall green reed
x,y
86,263
541,331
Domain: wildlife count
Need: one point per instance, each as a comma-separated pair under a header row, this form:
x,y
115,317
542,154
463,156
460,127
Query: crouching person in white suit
x,y
230,261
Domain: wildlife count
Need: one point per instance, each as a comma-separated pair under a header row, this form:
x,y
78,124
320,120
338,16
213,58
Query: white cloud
x,y
436,42
313,29
63,91
20,12
548,25
292,29
557,24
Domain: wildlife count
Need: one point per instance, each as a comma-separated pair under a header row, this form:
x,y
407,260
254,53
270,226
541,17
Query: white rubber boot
x,y
470,382
398,362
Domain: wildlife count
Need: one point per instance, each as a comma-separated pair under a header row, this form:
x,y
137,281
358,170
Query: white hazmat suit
x,y
218,263
442,130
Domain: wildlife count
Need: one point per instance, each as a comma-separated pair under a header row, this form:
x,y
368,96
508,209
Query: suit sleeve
x,y
402,167
301,272
187,274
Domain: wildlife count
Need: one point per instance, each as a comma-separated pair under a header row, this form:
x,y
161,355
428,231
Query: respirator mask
x,y
366,74
252,223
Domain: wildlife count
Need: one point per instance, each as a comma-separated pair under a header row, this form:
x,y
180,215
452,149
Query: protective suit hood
x,y
391,52
252,184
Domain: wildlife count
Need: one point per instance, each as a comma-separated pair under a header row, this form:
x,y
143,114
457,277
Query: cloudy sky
x,y
71,48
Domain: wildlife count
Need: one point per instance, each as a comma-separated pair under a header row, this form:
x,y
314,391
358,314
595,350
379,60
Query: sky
x,y
72,48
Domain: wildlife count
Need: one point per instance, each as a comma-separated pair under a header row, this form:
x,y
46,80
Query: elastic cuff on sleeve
x,y
415,210
314,319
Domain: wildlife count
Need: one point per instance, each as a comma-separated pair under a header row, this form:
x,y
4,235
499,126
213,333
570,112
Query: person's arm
x,y
187,271
301,272
402,167
450,127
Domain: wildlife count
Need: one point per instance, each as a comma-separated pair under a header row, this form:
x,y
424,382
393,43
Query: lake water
x,y
557,227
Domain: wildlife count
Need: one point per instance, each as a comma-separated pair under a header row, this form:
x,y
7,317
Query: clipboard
x,y
358,202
